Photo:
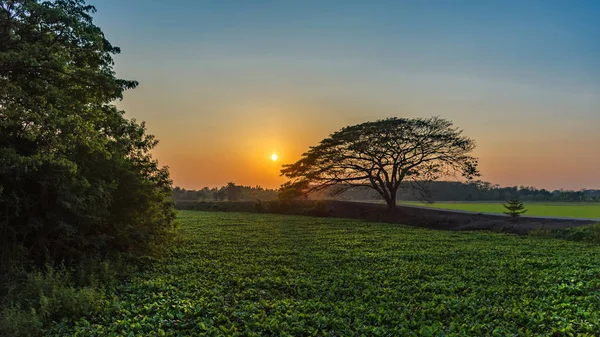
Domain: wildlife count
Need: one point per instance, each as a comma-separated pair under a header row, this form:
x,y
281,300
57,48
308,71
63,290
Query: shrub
x,y
583,233
48,296
16,322
541,233
596,232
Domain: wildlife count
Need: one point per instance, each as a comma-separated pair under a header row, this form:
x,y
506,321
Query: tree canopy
x,y
384,155
76,176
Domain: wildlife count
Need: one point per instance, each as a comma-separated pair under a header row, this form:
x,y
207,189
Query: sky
x,y
225,84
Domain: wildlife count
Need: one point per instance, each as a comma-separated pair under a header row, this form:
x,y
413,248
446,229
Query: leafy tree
x,y
514,208
76,177
233,191
384,154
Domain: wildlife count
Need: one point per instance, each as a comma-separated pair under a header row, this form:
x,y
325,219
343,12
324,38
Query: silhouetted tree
x,y
203,194
233,192
220,195
383,154
291,191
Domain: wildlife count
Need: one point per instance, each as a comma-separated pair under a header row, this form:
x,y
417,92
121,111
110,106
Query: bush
x,y
596,232
583,233
540,233
17,322
49,296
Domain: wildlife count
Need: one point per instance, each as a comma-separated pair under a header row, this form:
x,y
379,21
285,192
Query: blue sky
x,y
521,77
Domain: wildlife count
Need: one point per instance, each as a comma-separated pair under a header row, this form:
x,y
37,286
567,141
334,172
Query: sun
x,y
274,157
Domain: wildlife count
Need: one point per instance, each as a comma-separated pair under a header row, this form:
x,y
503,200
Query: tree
x,y
292,191
220,194
233,191
514,208
383,155
77,178
203,194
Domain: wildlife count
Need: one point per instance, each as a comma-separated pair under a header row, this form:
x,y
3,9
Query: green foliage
x,y
270,275
514,208
582,233
596,232
16,322
77,182
540,233
50,296
77,178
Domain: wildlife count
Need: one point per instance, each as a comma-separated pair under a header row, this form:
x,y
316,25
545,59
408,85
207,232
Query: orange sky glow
x,y
238,144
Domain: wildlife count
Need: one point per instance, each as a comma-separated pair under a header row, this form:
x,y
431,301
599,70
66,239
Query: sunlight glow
x,y
274,157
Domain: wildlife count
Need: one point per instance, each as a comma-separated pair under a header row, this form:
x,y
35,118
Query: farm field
x,y
570,210
239,274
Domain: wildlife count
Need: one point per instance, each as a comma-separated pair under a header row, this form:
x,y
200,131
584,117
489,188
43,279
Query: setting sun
x,y
274,157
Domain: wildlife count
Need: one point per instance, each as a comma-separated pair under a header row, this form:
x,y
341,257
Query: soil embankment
x,y
406,215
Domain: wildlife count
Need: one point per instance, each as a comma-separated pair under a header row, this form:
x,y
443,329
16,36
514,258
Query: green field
x,y
571,210
241,274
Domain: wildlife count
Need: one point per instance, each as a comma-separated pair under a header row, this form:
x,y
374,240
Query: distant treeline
x,y
435,191
229,192
476,191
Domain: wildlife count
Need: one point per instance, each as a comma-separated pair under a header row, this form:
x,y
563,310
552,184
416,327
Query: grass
x,y
570,210
242,274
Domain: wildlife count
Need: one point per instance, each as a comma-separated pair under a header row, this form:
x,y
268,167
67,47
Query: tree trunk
x,y
391,202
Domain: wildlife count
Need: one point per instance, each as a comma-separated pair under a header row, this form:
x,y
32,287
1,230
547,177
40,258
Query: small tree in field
x,y
514,208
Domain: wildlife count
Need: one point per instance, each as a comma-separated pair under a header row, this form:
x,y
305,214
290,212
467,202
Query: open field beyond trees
x,y
589,210
241,274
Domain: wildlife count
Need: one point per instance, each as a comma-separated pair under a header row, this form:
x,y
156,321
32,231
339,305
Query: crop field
x,y
239,274
568,209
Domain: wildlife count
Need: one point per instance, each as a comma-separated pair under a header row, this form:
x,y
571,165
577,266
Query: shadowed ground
x,y
404,214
